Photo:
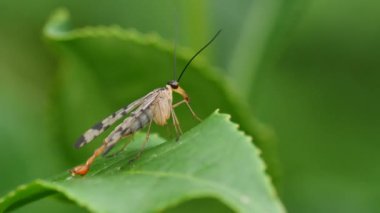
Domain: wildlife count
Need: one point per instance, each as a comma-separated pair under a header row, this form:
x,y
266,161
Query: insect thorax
x,y
162,106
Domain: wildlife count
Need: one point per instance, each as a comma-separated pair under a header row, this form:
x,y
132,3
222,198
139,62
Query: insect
x,y
157,106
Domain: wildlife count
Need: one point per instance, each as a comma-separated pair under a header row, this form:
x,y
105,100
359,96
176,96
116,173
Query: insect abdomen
x,y
130,125
141,119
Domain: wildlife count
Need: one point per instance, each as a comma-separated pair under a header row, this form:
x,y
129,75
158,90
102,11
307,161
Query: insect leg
x,y
177,127
192,111
145,142
188,105
178,103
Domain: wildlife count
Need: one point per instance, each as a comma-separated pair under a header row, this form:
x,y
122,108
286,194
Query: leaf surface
x,y
211,161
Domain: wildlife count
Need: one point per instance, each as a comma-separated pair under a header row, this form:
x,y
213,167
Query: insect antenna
x,y
197,53
175,48
175,60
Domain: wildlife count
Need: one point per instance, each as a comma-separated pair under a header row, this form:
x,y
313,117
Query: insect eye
x,y
173,84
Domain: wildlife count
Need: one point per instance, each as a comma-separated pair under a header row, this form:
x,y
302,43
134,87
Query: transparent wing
x,y
100,127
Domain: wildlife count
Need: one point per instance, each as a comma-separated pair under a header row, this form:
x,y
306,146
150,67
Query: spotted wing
x,y
100,127
148,100
125,127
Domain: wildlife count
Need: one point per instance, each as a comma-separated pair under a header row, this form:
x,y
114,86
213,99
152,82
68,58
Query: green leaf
x,y
104,68
213,161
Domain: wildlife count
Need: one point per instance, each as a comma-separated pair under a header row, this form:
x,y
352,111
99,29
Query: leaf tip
x,y
224,115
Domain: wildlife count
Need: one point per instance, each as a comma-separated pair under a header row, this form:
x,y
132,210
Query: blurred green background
x,y
308,69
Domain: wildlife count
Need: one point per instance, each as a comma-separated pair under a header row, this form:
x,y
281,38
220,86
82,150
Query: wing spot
x,y
80,142
98,126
